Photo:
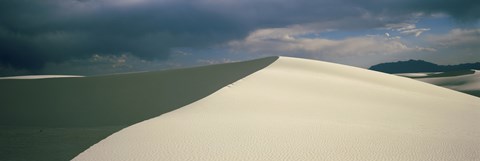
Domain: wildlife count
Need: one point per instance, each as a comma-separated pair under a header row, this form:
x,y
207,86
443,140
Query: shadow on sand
x,y
56,119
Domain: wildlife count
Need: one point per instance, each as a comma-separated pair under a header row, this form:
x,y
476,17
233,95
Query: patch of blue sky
x,y
437,25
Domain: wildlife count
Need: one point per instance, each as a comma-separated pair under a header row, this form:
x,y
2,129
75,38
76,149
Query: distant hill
x,y
415,66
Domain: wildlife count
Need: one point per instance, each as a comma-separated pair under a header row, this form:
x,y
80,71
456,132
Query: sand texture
x,y
298,109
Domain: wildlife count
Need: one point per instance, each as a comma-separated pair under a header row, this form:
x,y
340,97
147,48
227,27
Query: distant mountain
x,y
415,66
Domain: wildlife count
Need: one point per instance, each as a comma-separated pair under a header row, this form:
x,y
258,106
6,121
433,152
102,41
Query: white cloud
x,y
428,49
126,3
457,38
454,47
406,28
115,61
277,41
213,61
415,31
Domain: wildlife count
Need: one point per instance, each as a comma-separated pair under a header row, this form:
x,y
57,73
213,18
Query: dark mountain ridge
x,y
415,66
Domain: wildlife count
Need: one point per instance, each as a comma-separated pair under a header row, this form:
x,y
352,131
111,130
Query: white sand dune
x,y
297,109
469,82
40,76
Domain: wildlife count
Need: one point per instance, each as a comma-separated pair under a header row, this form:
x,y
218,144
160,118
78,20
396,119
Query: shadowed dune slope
x,y
115,99
58,118
297,109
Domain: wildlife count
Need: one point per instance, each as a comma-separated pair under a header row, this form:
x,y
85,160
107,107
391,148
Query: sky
x,y
93,37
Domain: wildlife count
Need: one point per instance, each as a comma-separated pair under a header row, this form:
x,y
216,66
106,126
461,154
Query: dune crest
x,y
297,109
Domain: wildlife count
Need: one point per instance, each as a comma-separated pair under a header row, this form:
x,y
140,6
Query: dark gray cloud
x,y
462,10
36,32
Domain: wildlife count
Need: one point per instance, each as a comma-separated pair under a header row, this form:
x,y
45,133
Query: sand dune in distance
x,y
297,109
40,76
469,82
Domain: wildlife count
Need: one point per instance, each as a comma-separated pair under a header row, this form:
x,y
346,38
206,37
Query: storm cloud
x,y
36,32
